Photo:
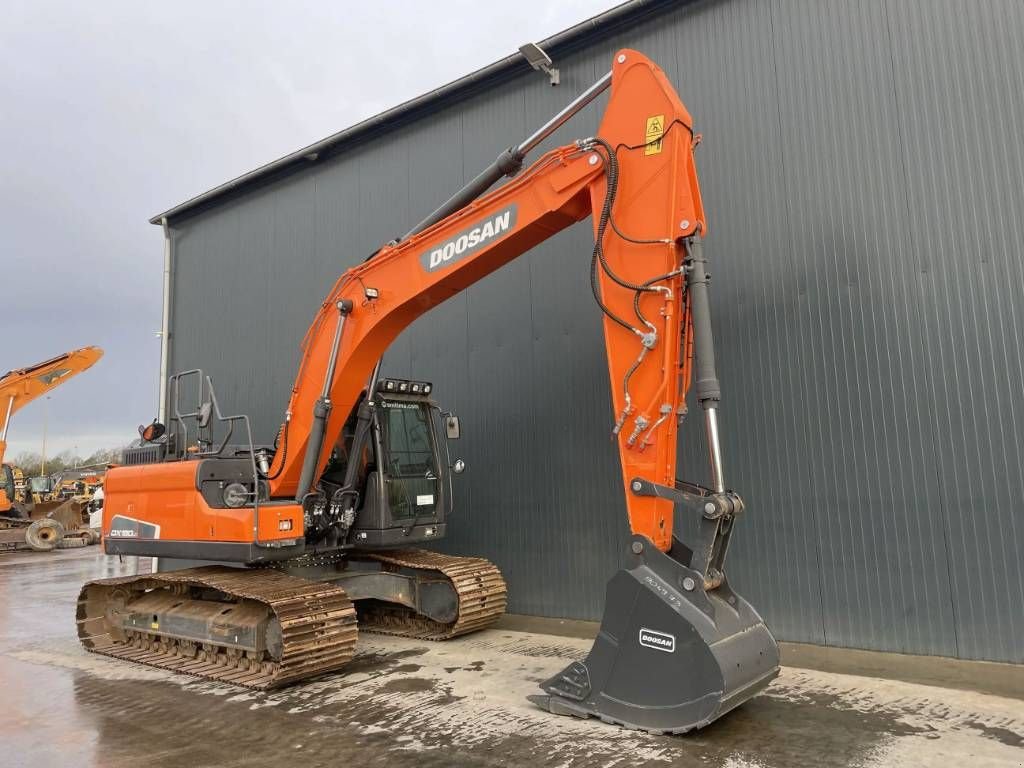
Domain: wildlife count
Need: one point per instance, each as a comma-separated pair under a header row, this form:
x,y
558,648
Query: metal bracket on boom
x,y
693,497
717,512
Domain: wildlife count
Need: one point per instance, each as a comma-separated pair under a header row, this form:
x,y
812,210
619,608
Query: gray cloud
x,y
115,111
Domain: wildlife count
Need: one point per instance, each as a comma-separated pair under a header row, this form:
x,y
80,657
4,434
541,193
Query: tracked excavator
x,y
313,539
26,524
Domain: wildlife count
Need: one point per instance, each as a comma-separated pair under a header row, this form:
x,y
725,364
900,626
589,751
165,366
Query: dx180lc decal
x,y
122,527
471,239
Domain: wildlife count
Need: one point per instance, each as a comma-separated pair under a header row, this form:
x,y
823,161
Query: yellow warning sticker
x,y
653,134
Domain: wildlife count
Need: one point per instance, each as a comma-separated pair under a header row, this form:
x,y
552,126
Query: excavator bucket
x,y
671,655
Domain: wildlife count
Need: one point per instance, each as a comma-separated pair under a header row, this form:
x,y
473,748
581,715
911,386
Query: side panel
x,y
172,510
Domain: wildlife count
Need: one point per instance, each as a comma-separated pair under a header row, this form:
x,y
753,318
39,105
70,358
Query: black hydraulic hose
x,y
598,256
283,439
605,217
633,147
596,289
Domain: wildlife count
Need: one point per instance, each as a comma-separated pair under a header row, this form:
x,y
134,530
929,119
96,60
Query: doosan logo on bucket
x,y
661,641
470,240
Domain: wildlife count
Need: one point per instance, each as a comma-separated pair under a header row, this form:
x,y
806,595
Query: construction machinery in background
x,y
80,482
39,489
26,521
318,528
22,485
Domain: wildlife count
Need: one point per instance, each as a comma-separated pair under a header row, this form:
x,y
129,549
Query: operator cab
x,y
41,485
388,483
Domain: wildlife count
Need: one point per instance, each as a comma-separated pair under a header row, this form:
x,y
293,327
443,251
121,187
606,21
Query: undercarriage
x,y
270,626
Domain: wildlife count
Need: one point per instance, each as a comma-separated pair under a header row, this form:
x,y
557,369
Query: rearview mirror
x,y
152,432
451,427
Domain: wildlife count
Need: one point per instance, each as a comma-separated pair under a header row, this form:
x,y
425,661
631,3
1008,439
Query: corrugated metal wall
x,y
863,172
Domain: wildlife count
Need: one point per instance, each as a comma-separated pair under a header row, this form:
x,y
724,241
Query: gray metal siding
x,y
960,84
864,177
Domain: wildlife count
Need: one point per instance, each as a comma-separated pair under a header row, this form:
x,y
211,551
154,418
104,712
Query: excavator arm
x,y
21,386
637,180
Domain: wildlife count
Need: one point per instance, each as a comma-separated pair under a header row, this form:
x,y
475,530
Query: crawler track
x,y
317,621
316,618
478,583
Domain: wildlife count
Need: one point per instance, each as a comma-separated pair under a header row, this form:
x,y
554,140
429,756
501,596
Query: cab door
x,y
412,480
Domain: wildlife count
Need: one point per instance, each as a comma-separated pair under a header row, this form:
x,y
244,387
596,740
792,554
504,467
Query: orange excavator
x,y
312,536
17,389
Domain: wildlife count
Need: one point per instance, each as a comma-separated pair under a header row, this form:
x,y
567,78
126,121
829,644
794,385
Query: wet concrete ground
x,y
410,703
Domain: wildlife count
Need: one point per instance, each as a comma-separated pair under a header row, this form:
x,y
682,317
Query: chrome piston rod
x,y
563,116
7,418
509,162
714,449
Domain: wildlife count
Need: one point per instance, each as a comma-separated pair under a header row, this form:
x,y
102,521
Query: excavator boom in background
x,y
360,469
18,388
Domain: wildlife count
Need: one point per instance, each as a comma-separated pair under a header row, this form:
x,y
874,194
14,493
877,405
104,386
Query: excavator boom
x,y
21,386
641,165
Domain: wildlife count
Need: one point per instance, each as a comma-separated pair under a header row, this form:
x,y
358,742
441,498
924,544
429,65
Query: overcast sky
x,y
114,111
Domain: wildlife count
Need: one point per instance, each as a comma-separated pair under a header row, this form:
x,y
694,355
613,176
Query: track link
x,y
317,620
478,583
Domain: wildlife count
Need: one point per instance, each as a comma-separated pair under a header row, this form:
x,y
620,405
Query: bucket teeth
x,y
573,682
556,705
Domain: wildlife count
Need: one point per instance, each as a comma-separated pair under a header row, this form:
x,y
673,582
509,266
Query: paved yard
x,y
411,703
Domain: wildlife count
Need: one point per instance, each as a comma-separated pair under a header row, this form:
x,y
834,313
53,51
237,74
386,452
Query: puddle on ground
x,y
1002,735
408,685
369,662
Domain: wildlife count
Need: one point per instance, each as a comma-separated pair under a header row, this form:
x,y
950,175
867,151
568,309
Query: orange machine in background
x,y
21,386
54,517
